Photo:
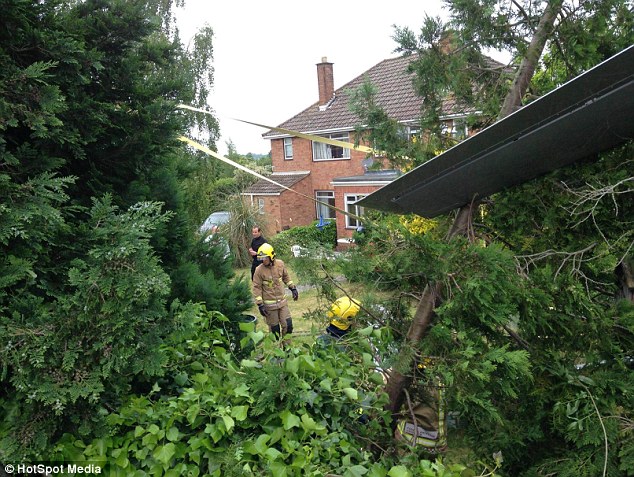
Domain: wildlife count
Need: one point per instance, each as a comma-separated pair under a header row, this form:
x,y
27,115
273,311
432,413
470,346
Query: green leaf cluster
x,y
294,412
530,339
316,239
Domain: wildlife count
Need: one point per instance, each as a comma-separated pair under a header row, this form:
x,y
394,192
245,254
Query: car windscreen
x,y
217,219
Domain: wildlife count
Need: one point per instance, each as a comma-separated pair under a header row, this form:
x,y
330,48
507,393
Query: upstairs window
x,y
288,148
326,152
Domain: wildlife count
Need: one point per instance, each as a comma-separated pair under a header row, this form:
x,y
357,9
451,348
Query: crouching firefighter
x,y
342,313
428,429
269,281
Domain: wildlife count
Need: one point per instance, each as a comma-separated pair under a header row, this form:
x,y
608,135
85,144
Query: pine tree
x,y
94,228
543,350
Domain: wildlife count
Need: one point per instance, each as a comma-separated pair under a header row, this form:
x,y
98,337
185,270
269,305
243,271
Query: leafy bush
x,y
294,412
67,358
205,278
238,230
526,328
307,236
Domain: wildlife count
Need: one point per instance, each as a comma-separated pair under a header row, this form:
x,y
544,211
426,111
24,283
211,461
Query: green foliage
x,y
96,365
213,186
238,230
206,188
449,62
65,358
387,134
530,327
210,283
585,37
316,240
392,257
294,412
88,156
527,332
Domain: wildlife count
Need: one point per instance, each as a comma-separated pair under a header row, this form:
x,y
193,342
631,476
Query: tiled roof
x,y
395,94
288,179
591,113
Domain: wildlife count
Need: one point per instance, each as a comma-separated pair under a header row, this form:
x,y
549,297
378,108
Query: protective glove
x,y
295,293
263,311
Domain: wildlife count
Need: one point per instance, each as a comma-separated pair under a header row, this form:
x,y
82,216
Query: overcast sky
x,y
265,53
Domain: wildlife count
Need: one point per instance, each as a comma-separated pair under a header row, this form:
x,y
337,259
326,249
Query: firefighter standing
x,y
269,280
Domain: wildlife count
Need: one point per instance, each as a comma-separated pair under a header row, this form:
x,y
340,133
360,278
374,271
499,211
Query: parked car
x,y
214,221
211,228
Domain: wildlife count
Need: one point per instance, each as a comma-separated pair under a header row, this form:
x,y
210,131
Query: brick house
x,y
334,175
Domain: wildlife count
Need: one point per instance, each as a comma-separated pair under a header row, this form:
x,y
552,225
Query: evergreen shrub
x,y
309,237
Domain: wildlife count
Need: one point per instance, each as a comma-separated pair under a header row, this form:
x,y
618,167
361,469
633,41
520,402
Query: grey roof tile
x,y
395,94
288,179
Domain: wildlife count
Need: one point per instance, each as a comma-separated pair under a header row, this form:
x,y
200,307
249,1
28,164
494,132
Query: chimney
x,y
325,81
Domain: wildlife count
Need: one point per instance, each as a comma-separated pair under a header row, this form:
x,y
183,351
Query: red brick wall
x,y
322,171
295,210
340,192
287,209
271,217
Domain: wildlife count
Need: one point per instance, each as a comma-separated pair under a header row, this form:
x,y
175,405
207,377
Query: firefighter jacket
x,y
269,283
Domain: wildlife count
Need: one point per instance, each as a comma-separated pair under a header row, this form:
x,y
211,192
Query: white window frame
x,y
288,148
460,129
326,152
413,133
260,205
349,205
456,128
325,196
410,133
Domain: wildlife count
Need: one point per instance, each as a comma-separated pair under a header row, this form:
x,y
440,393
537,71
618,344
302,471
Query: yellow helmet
x,y
266,250
344,308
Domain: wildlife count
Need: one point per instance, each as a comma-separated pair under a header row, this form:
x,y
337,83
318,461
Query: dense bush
x,y
238,230
309,237
529,326
67,357
303,411
95,232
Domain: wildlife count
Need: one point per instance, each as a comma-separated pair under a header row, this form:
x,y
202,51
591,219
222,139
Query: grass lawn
x,y
302,311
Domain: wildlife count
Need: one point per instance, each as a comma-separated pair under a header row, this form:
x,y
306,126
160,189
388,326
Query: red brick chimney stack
x,y
325,81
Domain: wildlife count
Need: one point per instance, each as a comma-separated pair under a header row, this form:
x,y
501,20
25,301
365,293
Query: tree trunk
x,y
525,72
625,276
397,381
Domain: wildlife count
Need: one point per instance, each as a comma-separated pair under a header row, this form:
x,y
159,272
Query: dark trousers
x,y
336,332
